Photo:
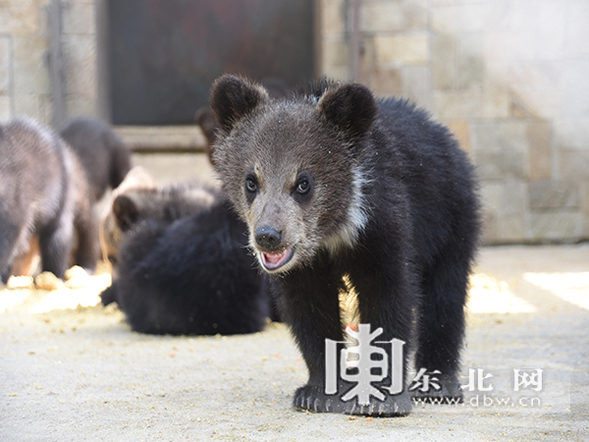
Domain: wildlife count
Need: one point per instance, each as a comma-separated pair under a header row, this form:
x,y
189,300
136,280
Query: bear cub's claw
x,y
312,398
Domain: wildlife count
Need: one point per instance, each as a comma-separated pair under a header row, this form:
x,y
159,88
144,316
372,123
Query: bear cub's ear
x,y
350,107
125,211
232,98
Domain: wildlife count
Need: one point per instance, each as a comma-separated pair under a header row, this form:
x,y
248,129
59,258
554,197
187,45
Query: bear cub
x,y
180,262
43,194
102,154
334,183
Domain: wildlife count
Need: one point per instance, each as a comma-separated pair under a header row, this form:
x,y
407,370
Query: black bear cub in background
x,y
332,183
102,154
180,262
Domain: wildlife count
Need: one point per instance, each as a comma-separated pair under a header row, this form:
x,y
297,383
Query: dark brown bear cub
x,y
333,183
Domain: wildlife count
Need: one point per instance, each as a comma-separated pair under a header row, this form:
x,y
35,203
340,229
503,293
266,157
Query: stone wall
x,y
510,78
79,44
24,45
25,48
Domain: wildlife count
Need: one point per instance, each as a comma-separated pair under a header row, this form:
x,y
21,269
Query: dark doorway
x,y
164,54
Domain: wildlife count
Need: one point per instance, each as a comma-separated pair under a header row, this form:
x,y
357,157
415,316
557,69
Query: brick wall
x,y
510,78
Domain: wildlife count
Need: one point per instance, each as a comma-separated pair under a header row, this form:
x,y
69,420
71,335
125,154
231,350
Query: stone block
x,y
341,73
19,17
499,165
27,104
573,165
540,150
457,105
5,111
537,28
584,188
575,88
571,134
46,109
555,225
31,77
416,15
79,18
496,100
170,168
456,18
491,202
406,49
576,37
78,104
469,61
443,61
503,211
500,150
512,46
384,82
80,53
368,57
394,16
500,136
335,54
381,16
512,211
546,194
31,67
5,65
333,16
461,130
534,84
415,85
43,25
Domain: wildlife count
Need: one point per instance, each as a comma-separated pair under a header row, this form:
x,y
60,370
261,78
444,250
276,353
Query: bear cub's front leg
x,y
311,308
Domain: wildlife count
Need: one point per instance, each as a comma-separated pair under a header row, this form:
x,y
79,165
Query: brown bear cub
x,y
98,160
44,194
334,183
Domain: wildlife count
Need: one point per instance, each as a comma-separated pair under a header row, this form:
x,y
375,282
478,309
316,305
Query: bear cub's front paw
x,y
313,398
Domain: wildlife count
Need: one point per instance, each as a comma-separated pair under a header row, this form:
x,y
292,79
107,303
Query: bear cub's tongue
x,y
273,260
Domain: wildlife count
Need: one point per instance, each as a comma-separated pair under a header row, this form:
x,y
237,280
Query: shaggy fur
x,y
139,199
193,276
103,156
180,263
43,192
332,183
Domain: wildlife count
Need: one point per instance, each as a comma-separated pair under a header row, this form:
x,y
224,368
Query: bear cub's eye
x,y
251,185
303,189
303,186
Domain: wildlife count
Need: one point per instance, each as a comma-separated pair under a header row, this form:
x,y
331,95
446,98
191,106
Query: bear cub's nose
x,y
268,238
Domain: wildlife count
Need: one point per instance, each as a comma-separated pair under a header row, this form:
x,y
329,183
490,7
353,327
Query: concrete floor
x,y
81,374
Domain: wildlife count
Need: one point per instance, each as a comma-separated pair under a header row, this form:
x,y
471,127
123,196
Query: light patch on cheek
x,y
249,219
356,216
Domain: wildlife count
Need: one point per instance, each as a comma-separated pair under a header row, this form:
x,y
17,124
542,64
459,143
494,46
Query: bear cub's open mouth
x,y
275,260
